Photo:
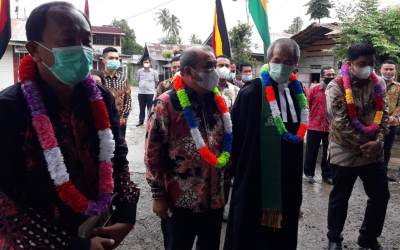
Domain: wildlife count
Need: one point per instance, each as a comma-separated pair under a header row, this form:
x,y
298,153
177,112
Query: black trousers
x,y
145,100
376,187
387,148
314,139
123,130
181,229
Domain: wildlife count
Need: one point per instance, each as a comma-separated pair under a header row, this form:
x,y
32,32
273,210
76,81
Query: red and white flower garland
x,y
66,190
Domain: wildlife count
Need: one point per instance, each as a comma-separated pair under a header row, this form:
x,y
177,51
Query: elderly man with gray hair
x,y
269,119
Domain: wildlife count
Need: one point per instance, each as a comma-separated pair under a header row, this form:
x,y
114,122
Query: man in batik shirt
x,y
359,121
188,193
36,212
167,84
389,73
318,129
116,82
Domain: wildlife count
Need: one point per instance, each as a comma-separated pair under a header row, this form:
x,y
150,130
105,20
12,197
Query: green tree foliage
x,y
318,9
366,23
296,25
170,24
240,38
194,39
129,44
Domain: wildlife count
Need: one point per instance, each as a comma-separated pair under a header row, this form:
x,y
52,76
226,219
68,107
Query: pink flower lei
x,y
66,190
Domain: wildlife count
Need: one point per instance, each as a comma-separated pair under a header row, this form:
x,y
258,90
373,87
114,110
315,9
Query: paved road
x,y
312,229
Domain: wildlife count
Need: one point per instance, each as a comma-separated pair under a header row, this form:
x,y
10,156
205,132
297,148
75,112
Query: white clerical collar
x,y
283,90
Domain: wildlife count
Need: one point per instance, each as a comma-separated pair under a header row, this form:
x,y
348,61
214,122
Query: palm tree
x,y
163,19
175,26
169,24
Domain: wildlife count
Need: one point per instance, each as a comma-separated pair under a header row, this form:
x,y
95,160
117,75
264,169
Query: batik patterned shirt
x,y
318,118
121,90
345,140
32,216
175,169
393,97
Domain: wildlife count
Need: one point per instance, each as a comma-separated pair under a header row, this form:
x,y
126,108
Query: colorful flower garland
x,y
351,108
66,190
188,113
276,114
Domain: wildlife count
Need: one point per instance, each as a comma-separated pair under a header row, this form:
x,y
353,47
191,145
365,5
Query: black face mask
x,y
328,80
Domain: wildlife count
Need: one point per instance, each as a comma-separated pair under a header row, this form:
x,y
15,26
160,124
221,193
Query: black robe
x,y
244,230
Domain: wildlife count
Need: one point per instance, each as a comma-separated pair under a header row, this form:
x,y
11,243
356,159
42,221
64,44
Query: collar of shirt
x,y
284,91
115,75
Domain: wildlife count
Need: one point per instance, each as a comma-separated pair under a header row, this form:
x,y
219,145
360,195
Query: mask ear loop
x,y
44,47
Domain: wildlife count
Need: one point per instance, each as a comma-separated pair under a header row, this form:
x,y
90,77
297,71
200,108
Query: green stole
x,y
270,168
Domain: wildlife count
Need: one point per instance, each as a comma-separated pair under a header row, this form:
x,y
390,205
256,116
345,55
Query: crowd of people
x,y
214,133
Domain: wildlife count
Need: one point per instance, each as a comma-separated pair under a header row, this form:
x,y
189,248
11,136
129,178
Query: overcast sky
x,y
196,16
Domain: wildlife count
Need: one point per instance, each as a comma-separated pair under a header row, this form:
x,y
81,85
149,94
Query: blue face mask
x,y
113,64
247,78
72,64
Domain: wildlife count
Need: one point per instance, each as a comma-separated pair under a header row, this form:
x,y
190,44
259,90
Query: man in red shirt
x,y
318,128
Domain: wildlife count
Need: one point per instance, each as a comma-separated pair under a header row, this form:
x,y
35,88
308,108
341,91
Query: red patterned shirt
x,y
318,119
175,169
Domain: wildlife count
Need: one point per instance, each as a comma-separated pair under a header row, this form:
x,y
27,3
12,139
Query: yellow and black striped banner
x,y
220,38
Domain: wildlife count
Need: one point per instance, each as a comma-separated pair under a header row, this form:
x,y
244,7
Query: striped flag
x,y
258,10
87,8
220,39
5,26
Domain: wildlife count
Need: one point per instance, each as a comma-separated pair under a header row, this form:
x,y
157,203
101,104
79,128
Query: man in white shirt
x,y
228,90
147,79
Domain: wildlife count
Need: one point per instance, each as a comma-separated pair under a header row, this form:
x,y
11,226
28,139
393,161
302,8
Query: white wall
x,y
6,69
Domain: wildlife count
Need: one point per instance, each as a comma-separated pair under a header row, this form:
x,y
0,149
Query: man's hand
x,y
122,122
116,232
371,150
160,208
393,121
98,243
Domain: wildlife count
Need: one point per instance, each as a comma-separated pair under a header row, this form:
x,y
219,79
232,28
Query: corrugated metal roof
x,y
156,50
107,29
316,31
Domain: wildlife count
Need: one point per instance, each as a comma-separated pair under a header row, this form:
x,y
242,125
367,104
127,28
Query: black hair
x,y
245,65
146,59
37,20
325,68
360,49
109,49
388,62
223,56
176,58
233,62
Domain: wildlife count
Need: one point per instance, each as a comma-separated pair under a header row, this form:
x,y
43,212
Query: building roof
x,y
156,50
107,29
257,47
316,31
18,33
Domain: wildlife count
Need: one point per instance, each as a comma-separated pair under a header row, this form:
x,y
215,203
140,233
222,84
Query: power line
x,y
148,10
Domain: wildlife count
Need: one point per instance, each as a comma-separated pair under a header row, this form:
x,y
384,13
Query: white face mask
x,y
209,80
247,78
146,65
362,72
388,78
223,72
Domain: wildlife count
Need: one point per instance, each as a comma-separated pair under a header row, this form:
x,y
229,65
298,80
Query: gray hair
x,y
190,56
287,44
